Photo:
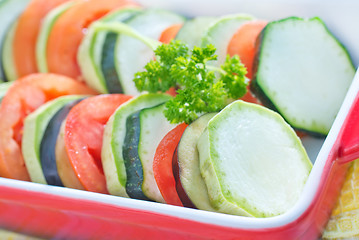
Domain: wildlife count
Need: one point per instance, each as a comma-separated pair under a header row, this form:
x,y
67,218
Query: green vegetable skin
x,y
252,161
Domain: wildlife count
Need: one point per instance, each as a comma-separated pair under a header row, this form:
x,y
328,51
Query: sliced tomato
x,y
27,29
69,29
162,165
23,97
83,138
243,44
170,33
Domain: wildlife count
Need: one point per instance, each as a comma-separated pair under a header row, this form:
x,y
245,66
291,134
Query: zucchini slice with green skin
x,y
9,12
131,55
114,137
192,31
34,128
221,32
8,64
4,86
252,161
96,54
48,144
46,27
303,72
188,164
144,131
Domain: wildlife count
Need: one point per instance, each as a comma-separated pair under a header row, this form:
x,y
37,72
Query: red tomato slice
x,y
170,33
69,29
83,138
162,165
24,96
27,29
243,44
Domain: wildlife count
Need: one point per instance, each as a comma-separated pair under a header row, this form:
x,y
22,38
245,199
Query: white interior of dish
x,y
318,150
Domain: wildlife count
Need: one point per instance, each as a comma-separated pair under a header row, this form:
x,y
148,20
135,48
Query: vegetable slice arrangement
x,y
183,149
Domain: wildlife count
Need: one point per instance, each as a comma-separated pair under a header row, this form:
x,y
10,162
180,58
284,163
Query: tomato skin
x,y
170,33
26,32
162,165
83,138
23,97
69,29
243,44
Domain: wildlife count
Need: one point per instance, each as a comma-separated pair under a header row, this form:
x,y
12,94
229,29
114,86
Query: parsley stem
x,y
121,28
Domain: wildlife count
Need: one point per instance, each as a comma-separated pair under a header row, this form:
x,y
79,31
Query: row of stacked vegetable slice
x,y
55,131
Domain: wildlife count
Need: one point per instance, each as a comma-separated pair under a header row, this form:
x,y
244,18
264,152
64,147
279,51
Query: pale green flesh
x,y
188,163
154,126
221,32
253,163
114,135
34,128
192,31
4,86
7,55
9,11
131,55
305,72
90,50
46,27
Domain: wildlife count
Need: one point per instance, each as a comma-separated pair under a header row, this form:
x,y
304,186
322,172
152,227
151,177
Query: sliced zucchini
x,y
131,55
114,137
96,54
192,31
221,32
303,72
46,27
4,86
34,128
8,64
188,163
144,131
252,161
9,12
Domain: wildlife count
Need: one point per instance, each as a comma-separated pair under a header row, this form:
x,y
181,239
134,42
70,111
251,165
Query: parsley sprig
x,y
201,87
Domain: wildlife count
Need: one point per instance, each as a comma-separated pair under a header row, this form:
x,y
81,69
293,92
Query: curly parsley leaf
x,y
201,87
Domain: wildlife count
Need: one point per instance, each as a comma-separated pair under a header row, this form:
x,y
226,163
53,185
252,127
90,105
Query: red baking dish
x,y
62,213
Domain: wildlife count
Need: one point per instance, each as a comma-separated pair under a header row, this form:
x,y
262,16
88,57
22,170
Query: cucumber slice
x,y
221,32
96,54
113,140
144,131
8,64
9,11
192,30
303,72
188,163
46,27
34,128
131,55
252,161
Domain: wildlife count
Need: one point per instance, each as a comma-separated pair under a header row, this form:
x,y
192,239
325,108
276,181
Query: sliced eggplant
x,y
188,164
114,137
48,144
34,128
303,72
252,161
